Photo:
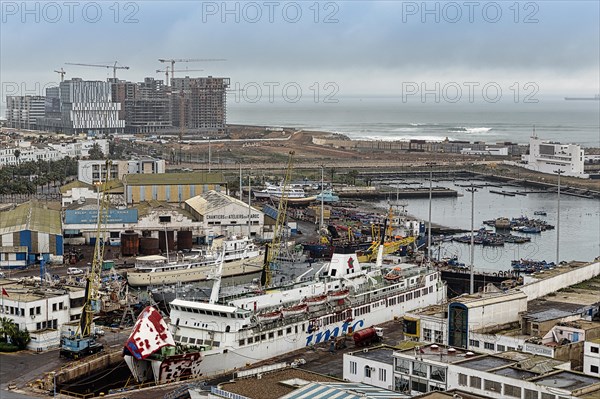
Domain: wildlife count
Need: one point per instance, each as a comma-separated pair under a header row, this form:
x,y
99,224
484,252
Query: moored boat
x,y
294,310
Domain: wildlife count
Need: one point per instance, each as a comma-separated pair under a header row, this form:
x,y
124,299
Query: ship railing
x,y
226,394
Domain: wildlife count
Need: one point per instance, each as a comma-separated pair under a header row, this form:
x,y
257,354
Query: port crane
x,y
173,61
83,342
274,248
166,71
114,66
61,73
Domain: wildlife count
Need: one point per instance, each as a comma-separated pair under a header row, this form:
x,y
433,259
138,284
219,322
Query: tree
x,y
95,152
353,174
17,154
20,338
7,328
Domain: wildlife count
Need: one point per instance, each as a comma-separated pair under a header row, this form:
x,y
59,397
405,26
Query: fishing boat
x,y
231,334
152,354
327,196
540,213
241,256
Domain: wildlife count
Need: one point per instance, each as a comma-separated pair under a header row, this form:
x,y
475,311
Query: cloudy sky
x,y
366,48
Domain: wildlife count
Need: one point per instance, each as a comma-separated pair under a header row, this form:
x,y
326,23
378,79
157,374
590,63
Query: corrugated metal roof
x,y
317,390
173,178
211,201
31,216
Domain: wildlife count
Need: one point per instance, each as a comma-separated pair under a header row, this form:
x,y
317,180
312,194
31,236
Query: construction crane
x,y
173,61
274,248
61,73
83,342
166,71
113,66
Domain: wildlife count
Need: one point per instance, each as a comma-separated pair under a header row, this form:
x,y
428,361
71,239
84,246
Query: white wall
x,y
591,359
374,380
535,288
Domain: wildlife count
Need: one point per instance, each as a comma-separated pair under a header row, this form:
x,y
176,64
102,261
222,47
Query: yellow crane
x,y
83,342
274,248
113,66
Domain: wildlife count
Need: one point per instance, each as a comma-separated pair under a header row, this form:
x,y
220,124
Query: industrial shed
x,y
29,231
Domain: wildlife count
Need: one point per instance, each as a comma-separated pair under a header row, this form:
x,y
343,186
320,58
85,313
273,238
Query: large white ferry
x,y
272,191
240,254
346,297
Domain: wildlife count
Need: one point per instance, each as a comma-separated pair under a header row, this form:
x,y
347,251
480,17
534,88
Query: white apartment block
x,y
30,152
548,157
591,357
374,366
94,171
22,111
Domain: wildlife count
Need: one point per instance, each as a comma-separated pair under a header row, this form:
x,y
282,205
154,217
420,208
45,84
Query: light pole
x,y
322,200
430,164
209,154
249,205
54,384
241,191
472,266
558,172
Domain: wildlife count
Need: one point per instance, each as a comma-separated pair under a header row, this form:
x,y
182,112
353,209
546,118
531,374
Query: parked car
x,y
73,271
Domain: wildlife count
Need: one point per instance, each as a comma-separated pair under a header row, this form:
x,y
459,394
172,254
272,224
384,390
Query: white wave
x,y
401,138
470,129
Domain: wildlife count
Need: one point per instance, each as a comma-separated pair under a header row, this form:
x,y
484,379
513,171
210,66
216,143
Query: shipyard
x,y
353,200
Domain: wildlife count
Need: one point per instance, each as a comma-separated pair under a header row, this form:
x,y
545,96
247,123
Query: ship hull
x,y
234,268
173,368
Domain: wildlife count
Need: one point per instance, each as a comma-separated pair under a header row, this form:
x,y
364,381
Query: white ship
x,y
241,256
272,191
346,297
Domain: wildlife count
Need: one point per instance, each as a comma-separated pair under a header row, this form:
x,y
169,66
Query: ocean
x,y
389,118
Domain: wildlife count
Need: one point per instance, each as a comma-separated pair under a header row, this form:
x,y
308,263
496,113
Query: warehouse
x,y
28,233
170,187
221,214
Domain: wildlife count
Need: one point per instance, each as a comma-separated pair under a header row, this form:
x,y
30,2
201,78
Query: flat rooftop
x,y
515,373
438,353
486,363
567,380
21,292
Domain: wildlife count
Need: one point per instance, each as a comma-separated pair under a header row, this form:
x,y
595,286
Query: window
x,y
164,219
367,372
547,396
401,384
38,310
511,390
439,374
438,337
493,386
462,379
250,340
500,348
474,343
31,311
419,385
594,369
594,349
352,367
382,375
402,366
419,369
529,394
475,382
489,345
54,307
427,334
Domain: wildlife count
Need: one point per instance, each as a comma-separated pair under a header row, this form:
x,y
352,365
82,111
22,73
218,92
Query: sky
x,y
376,48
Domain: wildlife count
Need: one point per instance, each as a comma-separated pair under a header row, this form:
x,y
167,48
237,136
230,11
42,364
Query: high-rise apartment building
x,y
22,112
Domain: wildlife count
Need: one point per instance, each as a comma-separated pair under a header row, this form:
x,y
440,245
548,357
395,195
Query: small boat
x,y
327,196
338,295
294,310
540,213
316,300
394,274
269,316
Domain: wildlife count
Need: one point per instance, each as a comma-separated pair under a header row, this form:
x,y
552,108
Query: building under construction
x,y
145,106
199,104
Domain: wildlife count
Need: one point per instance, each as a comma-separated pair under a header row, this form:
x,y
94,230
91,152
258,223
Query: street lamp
x,y
322,199
249,204
430,165
558,172
472,190
54,384
241,190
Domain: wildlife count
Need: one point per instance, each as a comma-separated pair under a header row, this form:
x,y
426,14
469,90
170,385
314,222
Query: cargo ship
x,y
342,297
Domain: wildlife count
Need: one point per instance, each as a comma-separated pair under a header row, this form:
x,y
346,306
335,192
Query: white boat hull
x,y
234,268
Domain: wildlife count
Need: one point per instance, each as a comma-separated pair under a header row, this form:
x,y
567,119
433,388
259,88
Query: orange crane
x,y
173,61
113,66
61,73
166,71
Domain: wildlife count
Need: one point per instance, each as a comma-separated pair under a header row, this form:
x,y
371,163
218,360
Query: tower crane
x,y
173,61
274,248
113,66
166,71
61,73
83,342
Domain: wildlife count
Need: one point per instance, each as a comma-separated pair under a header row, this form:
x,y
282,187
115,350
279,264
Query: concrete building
x,y
591,357
203,101
373,366
28,233
548,157
43,312
145,106
221,214
22,112
498,152
170,187
94,171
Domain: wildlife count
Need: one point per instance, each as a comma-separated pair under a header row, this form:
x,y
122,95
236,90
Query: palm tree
x,y
17,154
7,328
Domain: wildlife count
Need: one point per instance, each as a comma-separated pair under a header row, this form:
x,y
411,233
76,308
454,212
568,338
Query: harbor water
x,y
579,224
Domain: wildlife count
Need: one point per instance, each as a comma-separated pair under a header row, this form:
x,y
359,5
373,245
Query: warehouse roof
x,y
147,207
173,178
113,186
211,201
31,216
